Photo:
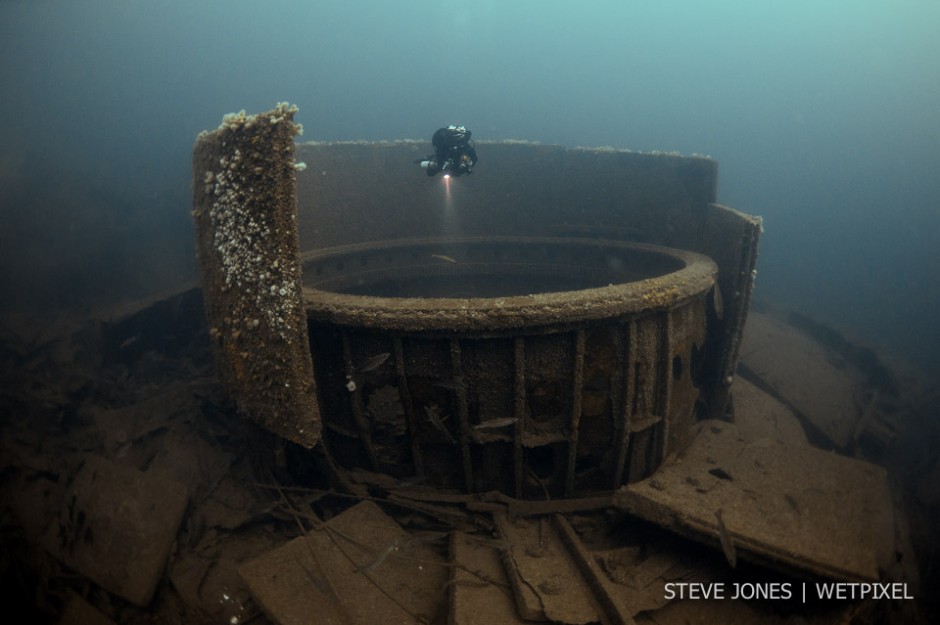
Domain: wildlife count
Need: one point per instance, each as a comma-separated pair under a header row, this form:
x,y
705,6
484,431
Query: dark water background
x,y
823,115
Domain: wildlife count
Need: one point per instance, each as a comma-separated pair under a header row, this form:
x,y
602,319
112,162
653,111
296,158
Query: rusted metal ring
x,y
335,280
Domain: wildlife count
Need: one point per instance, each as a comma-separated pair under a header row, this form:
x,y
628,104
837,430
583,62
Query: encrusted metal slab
x,y
245,210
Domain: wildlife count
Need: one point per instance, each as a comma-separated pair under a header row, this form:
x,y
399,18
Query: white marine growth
x,y
242,237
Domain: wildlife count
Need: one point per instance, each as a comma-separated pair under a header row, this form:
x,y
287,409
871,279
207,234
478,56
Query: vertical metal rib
x,y
575,421
627,359
358,408
663,389
518,402
463,413
404,395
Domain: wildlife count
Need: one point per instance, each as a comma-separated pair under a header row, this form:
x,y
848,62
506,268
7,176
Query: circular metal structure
x,y
533,366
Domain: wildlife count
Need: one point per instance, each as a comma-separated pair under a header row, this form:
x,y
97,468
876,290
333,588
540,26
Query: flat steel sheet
x,y
792,507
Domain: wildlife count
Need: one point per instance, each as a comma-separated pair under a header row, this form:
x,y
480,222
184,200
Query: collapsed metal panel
x,y
556,393
788,507
731,239
245,213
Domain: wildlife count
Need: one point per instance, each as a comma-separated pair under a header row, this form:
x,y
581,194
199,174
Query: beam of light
x,y
449,213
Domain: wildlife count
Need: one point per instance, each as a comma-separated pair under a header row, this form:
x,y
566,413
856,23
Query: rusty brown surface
x,y
546,582
519,393
688,275
479,588
246,239
796,508
357,194
359,568
607,593
362,192
730,238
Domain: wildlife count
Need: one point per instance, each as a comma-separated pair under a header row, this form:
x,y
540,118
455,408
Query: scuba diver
x,y
453,152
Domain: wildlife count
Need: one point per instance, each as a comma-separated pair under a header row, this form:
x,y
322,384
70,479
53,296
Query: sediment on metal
x,y
245,214
530,408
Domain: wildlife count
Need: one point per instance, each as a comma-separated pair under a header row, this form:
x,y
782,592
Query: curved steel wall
x,y
558,393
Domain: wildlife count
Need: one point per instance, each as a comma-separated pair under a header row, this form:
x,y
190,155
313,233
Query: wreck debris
x,y
639,574
495,424
724,536
245,211
479,589
745,613
794,508
117,527
616,610
864,359
436,420
546,582
233,524
375,362
793,368
349,571
759,415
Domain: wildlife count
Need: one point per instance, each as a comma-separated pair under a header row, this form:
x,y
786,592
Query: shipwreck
x,y
558,332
